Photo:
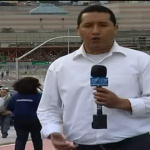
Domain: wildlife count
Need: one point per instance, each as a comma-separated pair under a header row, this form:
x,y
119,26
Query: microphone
x,y
99,79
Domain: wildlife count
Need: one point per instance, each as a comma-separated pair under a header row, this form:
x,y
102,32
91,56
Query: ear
x,y
116,28
77,28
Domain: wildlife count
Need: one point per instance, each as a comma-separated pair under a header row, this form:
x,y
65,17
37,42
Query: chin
x,y
96,47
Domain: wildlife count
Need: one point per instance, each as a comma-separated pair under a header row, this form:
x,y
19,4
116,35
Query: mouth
x,y
96,38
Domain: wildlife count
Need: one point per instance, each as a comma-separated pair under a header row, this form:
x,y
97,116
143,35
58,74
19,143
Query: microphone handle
x,y
99,109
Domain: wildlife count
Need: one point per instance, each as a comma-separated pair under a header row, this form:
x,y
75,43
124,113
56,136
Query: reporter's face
x,y
97,31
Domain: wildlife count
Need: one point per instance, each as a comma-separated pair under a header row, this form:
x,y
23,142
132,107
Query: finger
x,y
101,103
102,90
72,145
100,99
60,143
100,94
58,138
65,147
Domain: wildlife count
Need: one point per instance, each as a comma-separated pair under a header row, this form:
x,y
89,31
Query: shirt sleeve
x,y
141,106
49,110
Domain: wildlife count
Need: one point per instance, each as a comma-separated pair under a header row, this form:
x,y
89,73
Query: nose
x,y
96,30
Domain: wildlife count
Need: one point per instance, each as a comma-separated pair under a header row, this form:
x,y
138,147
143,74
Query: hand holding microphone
x,y
106,98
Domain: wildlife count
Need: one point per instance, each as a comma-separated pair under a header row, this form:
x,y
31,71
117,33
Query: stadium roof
x,y
48,9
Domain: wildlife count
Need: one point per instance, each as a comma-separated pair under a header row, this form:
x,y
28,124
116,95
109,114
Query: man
x,y
125,101
7,72
5,115
2,75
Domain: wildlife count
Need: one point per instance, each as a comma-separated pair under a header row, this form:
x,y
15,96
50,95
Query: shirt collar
x,y
115,49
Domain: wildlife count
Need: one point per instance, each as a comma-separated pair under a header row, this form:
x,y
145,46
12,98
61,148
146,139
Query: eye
x,y
87,25
104,25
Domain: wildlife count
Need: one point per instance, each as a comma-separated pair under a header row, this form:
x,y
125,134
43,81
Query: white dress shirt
x,y
67,84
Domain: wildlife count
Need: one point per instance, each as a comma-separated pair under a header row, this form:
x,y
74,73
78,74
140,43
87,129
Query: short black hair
x,y
27,85
96,8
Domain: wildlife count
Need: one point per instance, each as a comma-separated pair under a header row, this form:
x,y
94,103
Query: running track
x,y
29,146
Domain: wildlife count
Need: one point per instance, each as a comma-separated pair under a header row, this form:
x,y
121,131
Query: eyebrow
x,y
101,22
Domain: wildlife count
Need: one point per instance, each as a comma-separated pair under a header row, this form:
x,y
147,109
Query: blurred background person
x,y
5,115
2,75
24,105
7,72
